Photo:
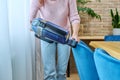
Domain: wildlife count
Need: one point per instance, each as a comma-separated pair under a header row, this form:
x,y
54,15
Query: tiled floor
x,y
73,76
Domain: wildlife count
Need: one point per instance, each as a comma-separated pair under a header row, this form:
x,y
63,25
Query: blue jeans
x,y
54,69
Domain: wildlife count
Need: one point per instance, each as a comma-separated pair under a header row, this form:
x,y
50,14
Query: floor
x,y
73,76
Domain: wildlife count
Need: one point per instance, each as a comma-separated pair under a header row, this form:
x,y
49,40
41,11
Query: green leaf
x,y
115,19
89,11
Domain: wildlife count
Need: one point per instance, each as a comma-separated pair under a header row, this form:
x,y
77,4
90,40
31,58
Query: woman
x,y
63,13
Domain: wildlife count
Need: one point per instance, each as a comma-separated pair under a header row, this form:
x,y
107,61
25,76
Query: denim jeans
x,y
54,68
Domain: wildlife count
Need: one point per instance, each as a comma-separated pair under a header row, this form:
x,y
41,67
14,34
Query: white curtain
x,y
17,45
5,63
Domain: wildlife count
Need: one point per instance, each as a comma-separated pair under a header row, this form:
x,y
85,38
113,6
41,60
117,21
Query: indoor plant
x,y
86,13
115,22
82,8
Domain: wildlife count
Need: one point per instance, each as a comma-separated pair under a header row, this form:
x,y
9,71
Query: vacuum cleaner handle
x,y
72,43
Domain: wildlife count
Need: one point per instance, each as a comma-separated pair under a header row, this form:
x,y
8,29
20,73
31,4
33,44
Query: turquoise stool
x,y
84,61
108,67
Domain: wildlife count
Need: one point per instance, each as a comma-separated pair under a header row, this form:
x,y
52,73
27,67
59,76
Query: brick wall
x,y
94,26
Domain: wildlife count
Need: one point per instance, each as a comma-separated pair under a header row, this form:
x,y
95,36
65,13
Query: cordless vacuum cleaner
x,y
51,32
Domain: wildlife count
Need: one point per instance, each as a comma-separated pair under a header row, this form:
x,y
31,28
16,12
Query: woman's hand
x,y
75,31
75,36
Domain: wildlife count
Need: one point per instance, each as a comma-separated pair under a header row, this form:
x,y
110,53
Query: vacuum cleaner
x,y
50,32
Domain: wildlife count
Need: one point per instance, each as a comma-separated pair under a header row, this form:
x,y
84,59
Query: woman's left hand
x,y
75,37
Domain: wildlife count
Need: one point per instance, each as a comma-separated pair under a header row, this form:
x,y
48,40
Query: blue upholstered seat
x,y
84,61
108,68
112,38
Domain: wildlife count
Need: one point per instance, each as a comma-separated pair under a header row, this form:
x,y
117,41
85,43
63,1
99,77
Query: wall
x,y
96,27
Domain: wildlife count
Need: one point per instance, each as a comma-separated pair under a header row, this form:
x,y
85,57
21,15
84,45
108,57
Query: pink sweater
x,y
60,12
